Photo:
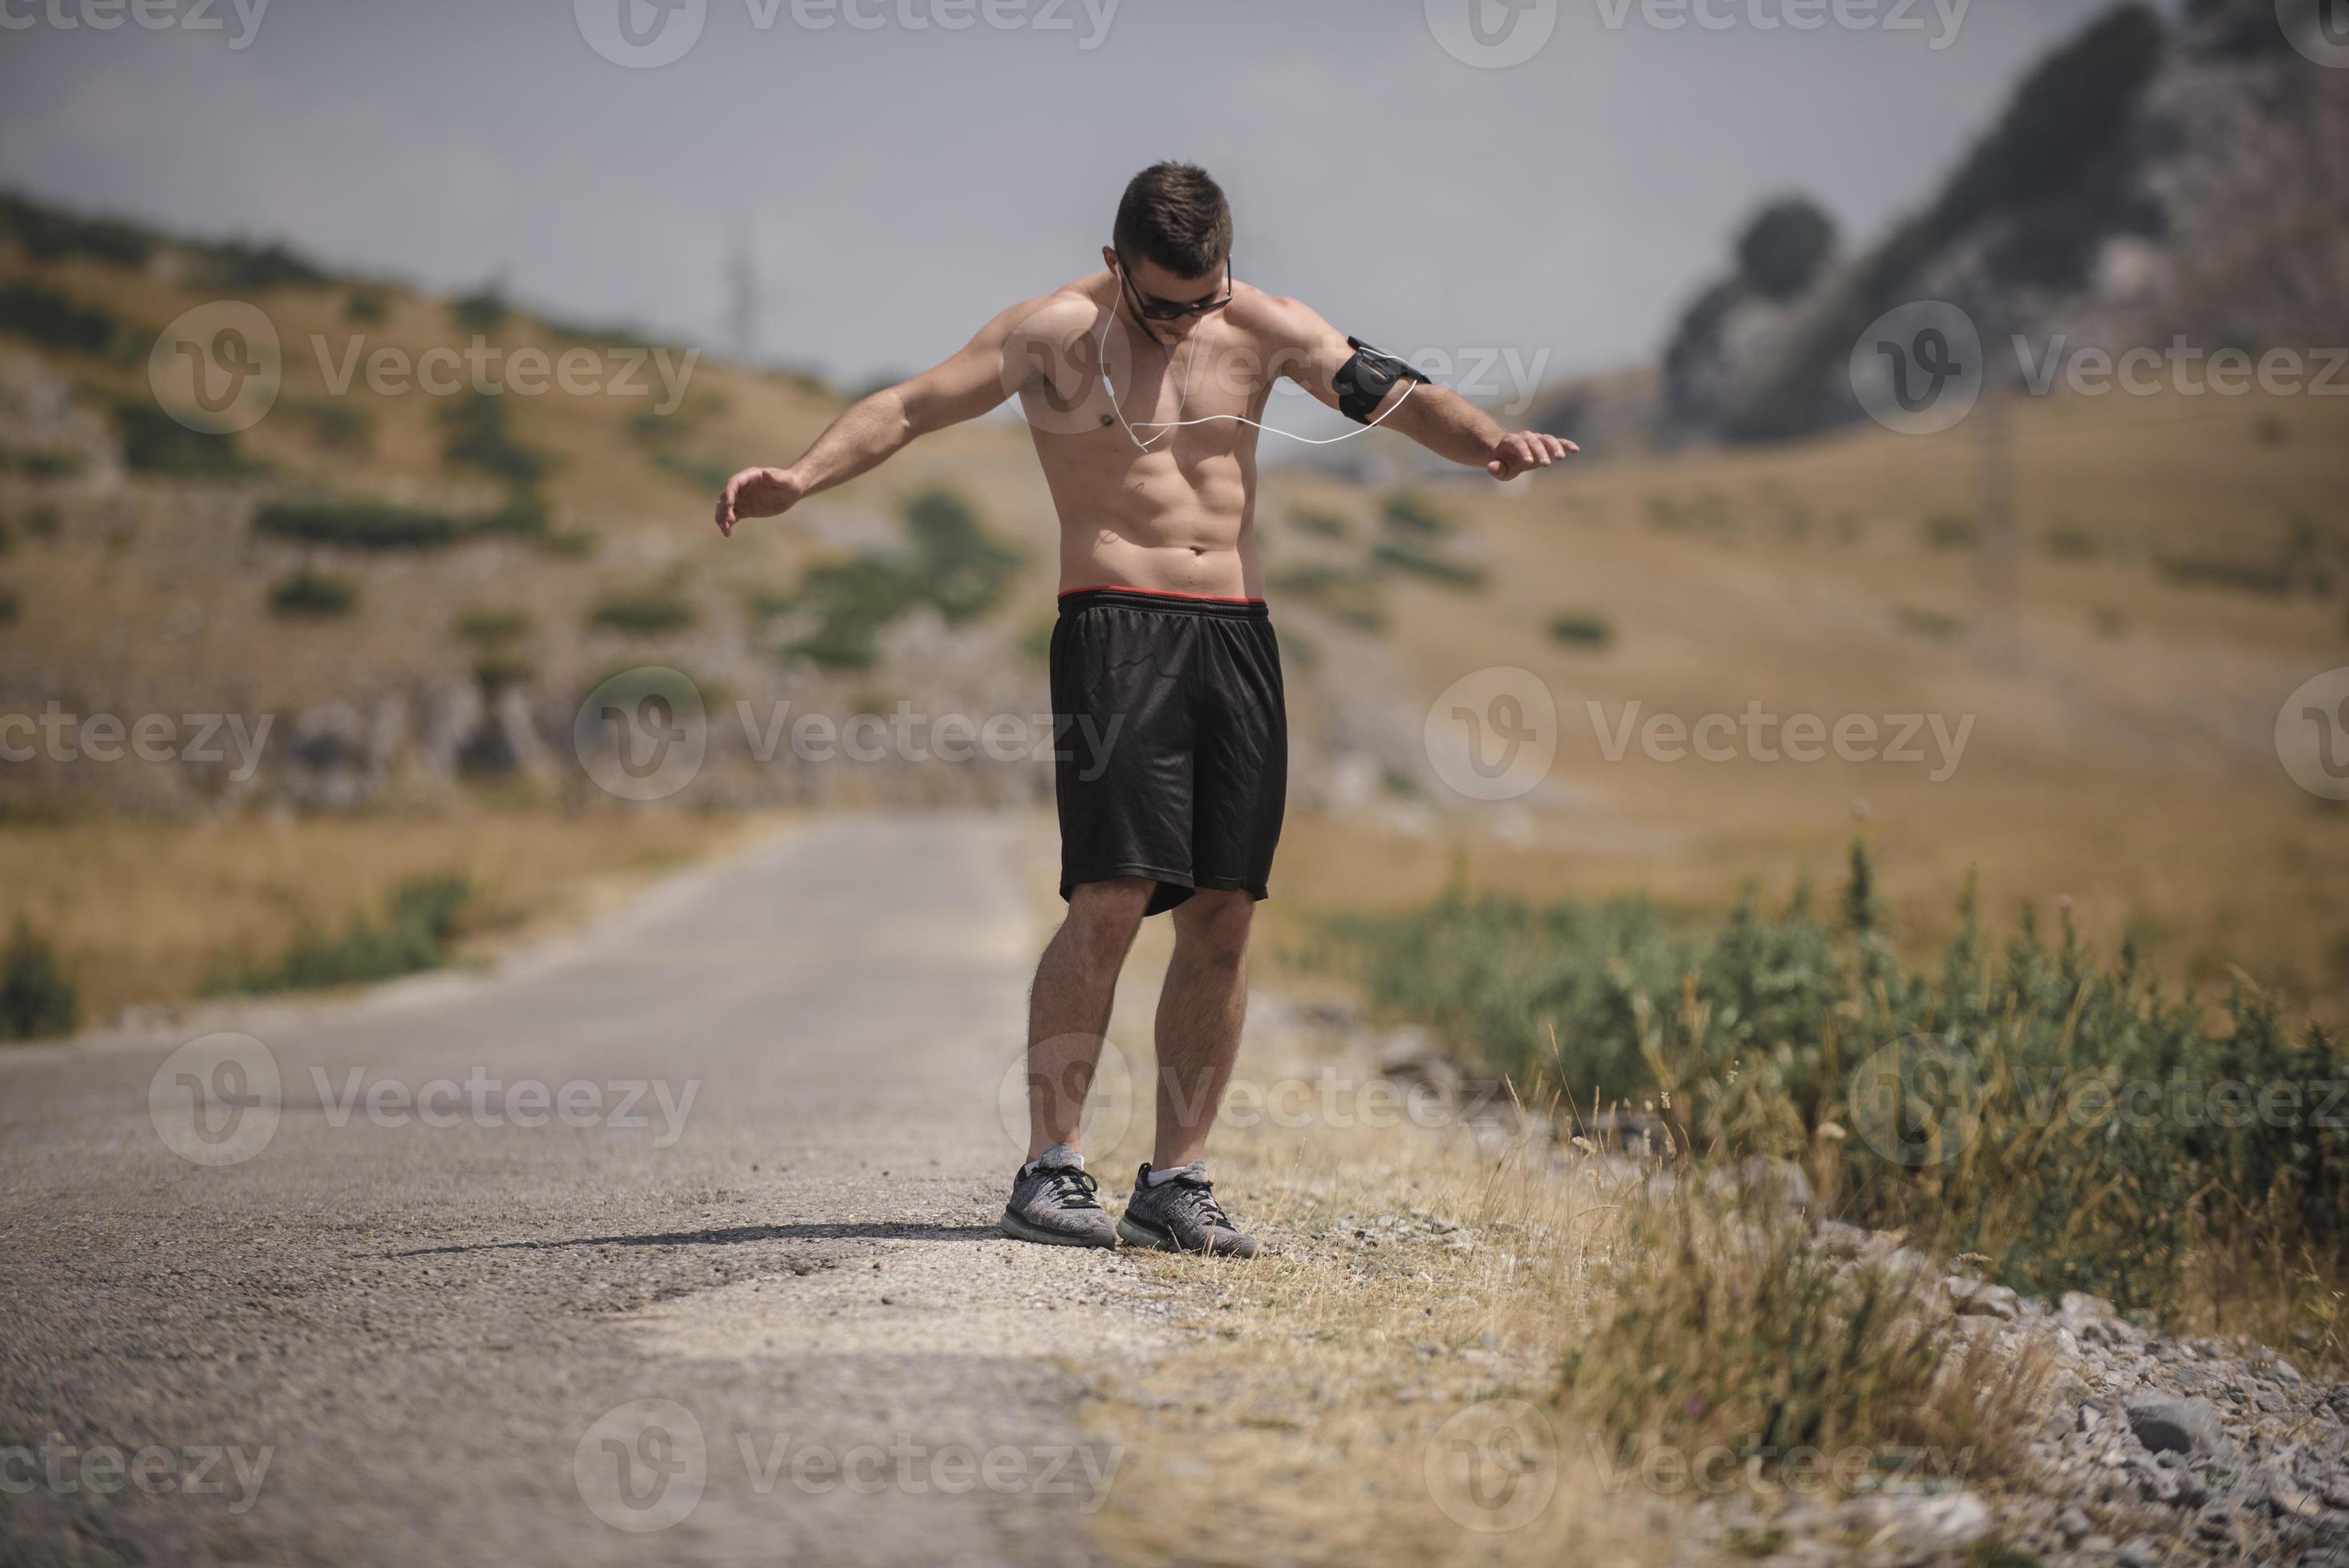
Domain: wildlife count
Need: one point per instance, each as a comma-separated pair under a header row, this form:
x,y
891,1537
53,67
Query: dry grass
x,y
1435,1276
139,911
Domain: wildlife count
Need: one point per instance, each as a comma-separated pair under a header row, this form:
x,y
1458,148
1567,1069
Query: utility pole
x,y
742,296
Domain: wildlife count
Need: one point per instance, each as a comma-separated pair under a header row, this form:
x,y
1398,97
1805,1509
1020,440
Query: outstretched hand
x,y
1512,455
757,492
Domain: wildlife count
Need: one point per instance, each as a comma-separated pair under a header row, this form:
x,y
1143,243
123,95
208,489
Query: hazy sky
x,y
904,182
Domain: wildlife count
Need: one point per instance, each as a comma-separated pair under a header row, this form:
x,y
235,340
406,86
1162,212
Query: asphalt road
x,y
673,1243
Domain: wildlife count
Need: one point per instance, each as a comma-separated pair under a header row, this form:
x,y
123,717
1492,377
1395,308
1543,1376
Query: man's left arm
x,y
1319,358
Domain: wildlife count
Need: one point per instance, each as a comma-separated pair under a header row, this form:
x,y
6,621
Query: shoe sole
x,y
1019,1230
1135,1233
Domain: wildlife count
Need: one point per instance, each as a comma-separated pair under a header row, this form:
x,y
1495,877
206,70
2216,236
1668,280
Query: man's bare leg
x,y
1067,1010
1199,1016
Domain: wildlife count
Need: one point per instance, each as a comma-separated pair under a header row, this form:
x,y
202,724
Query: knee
x,y
1213,927
1104,915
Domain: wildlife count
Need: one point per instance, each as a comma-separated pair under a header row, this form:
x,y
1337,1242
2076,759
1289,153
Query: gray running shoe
x,y
1180,1215
1052,1204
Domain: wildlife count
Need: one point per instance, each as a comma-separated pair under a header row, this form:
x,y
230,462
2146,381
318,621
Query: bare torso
x,y
1179,516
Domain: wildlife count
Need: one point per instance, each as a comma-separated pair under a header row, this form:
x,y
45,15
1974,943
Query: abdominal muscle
x,y
1178,519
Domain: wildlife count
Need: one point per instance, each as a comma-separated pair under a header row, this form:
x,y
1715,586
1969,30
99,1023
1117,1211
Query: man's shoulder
x,y
1274,318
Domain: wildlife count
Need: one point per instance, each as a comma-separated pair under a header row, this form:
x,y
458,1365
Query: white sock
x,y
1197,1167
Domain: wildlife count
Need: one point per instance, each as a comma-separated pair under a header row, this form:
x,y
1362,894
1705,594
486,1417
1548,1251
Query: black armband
x,y
1364,381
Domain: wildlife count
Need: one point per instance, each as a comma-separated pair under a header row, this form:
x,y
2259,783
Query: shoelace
x,y
1072,1186
1198,1198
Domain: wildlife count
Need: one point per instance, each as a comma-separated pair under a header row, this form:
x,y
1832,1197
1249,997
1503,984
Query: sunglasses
x,y
1152,309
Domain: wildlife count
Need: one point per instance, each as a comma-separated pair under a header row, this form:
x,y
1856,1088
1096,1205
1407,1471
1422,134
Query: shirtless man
x,y
1141,383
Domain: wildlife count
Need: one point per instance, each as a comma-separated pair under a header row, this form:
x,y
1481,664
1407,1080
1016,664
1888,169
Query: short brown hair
x,y
1175,217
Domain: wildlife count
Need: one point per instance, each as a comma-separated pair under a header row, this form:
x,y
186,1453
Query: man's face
x,y
1146,284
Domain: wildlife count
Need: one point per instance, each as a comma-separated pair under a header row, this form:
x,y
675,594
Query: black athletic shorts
x,y
1172,737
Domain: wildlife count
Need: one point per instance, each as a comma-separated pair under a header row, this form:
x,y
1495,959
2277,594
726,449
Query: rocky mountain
x,y
2146,182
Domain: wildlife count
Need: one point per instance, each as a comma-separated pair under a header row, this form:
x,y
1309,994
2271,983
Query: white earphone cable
x,y
1166,426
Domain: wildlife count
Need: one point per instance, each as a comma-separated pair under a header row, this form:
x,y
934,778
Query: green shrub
x,y
1352,598
1958,1102
42,465
1932,624
2068,543
483,310
1320,524
954,567
360,525
44,522
496,672
475,437
313,595
53,321
1582,631
1451,573
243,267
51,233
1952,531
412,934
646,612
1408,512
368,302
492,626
155,443
337,426
38,1000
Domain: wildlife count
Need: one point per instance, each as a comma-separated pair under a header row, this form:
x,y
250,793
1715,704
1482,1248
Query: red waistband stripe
x,y
1156,593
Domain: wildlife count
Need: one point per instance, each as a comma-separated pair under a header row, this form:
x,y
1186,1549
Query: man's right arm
x,y
877,428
